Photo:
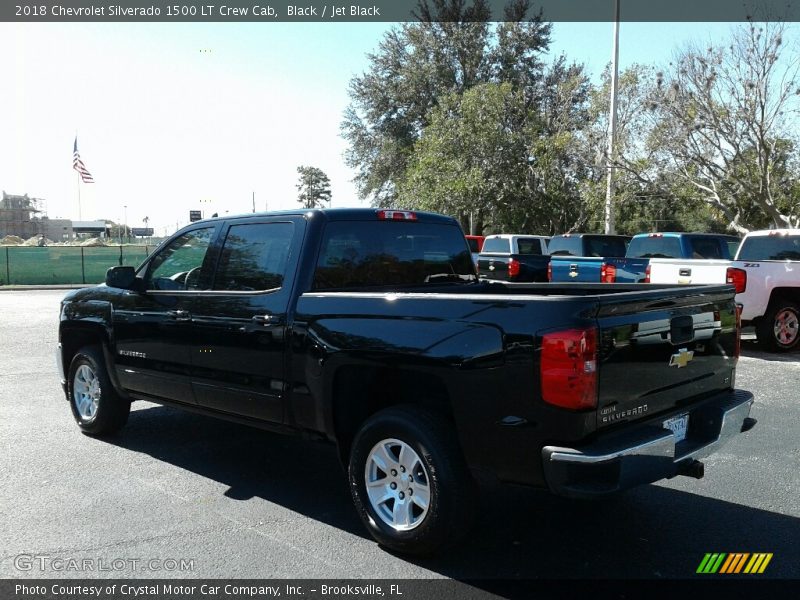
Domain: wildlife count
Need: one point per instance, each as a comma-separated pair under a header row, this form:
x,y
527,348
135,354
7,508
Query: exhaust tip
x,y
748,424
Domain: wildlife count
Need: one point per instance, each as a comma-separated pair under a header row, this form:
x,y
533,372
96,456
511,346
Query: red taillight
x,y
549,271
737,278
569,368
513,267
608,273
647,274
396,215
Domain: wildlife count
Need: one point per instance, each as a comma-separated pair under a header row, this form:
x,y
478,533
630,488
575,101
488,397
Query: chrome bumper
x,y
646,452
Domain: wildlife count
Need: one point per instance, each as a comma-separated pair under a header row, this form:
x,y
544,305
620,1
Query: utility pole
x,y
254,201
611,154
127,236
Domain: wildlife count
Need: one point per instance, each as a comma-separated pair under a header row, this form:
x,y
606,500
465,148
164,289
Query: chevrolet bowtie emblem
x,y
681,359
573,273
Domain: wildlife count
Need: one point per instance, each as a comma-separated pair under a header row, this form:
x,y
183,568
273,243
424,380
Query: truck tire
x,y
778,329
96,406
409,481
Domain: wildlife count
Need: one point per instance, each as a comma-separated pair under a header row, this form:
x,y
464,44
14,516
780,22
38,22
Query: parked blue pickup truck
x,y
683,245
603,261
590,257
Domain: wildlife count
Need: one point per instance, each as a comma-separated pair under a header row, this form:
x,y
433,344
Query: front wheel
x,y
778,329
96,406
409,481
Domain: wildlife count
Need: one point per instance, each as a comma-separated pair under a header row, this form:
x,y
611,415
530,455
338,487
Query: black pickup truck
x,y
369,329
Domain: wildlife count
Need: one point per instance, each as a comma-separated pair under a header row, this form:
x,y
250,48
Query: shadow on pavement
x,y
751,348
648,532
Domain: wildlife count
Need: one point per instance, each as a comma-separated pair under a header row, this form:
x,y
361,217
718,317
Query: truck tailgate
x,y
684,271
660,354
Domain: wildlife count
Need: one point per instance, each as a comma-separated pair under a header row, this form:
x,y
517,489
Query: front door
x,y
152,326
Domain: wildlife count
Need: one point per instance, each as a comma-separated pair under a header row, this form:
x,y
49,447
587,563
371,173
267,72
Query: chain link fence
x,y
26,265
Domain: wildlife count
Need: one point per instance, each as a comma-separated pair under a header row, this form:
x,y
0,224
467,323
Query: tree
x,y
452,49
313,187
724,118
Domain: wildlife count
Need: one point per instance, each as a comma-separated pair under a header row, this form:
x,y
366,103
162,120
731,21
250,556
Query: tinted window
x,y
473,245
654,247
705,248
613,247
770,247
529,246
733,246
565,246
180,264
254,257
372,254
501,245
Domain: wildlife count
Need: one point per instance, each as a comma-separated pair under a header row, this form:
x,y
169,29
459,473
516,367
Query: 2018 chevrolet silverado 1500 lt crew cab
x,y
766,275
369,328
522,258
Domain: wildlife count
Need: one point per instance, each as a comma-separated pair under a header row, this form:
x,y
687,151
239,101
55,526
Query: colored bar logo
x,y
734,563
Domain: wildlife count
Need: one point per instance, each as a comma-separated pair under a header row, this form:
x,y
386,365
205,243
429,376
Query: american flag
x,y
78,165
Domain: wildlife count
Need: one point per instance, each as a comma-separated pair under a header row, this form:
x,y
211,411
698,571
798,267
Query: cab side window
x,y
254,257
181,265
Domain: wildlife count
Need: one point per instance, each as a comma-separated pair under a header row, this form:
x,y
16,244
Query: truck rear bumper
x,y
646,452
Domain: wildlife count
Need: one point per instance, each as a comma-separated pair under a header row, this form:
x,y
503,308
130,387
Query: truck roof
x,y
686,234
339,214
766,232
508,236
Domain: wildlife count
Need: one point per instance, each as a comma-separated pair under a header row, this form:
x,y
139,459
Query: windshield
x,y
360,254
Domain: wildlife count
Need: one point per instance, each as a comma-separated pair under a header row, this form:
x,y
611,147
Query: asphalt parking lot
x,y
230,501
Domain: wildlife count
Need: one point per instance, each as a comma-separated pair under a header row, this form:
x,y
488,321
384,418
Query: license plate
x,y
678,426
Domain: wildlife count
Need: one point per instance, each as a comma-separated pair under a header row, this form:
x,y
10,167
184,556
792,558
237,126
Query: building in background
x,y
20,216
90,229
57,230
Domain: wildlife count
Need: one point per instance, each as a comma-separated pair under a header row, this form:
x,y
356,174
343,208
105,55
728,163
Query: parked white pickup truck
x,y
766,274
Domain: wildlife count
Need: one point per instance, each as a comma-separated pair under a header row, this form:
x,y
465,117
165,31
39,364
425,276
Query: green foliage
x,y
418,64
313,187
464,117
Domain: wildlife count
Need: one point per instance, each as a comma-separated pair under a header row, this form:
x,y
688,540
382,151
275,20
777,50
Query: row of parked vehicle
x,y
764,268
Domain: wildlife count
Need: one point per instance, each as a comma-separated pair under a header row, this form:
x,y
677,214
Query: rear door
x,y
681,345
239,326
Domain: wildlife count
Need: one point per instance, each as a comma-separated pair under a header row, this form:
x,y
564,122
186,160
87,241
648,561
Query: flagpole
x,y
80,215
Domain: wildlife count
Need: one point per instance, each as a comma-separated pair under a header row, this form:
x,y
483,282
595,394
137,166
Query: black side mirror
x,y
121,277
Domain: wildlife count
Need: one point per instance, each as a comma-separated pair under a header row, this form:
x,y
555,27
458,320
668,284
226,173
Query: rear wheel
x,y
409,481
96,406
778,329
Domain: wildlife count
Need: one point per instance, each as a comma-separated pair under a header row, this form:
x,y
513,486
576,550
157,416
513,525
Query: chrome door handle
x,y
267,319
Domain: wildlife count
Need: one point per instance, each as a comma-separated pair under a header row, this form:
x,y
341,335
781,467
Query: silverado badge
x,y
681,359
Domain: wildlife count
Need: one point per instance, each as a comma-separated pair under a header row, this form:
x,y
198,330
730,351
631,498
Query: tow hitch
x,y
694,469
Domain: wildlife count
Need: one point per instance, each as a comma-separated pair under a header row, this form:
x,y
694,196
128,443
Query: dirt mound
x,y
92,242
11,240
35,241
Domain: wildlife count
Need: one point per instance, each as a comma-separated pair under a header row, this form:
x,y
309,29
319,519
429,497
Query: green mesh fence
x,y
21,265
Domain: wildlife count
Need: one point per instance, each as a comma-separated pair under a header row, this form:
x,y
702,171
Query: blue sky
x,y
163,125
